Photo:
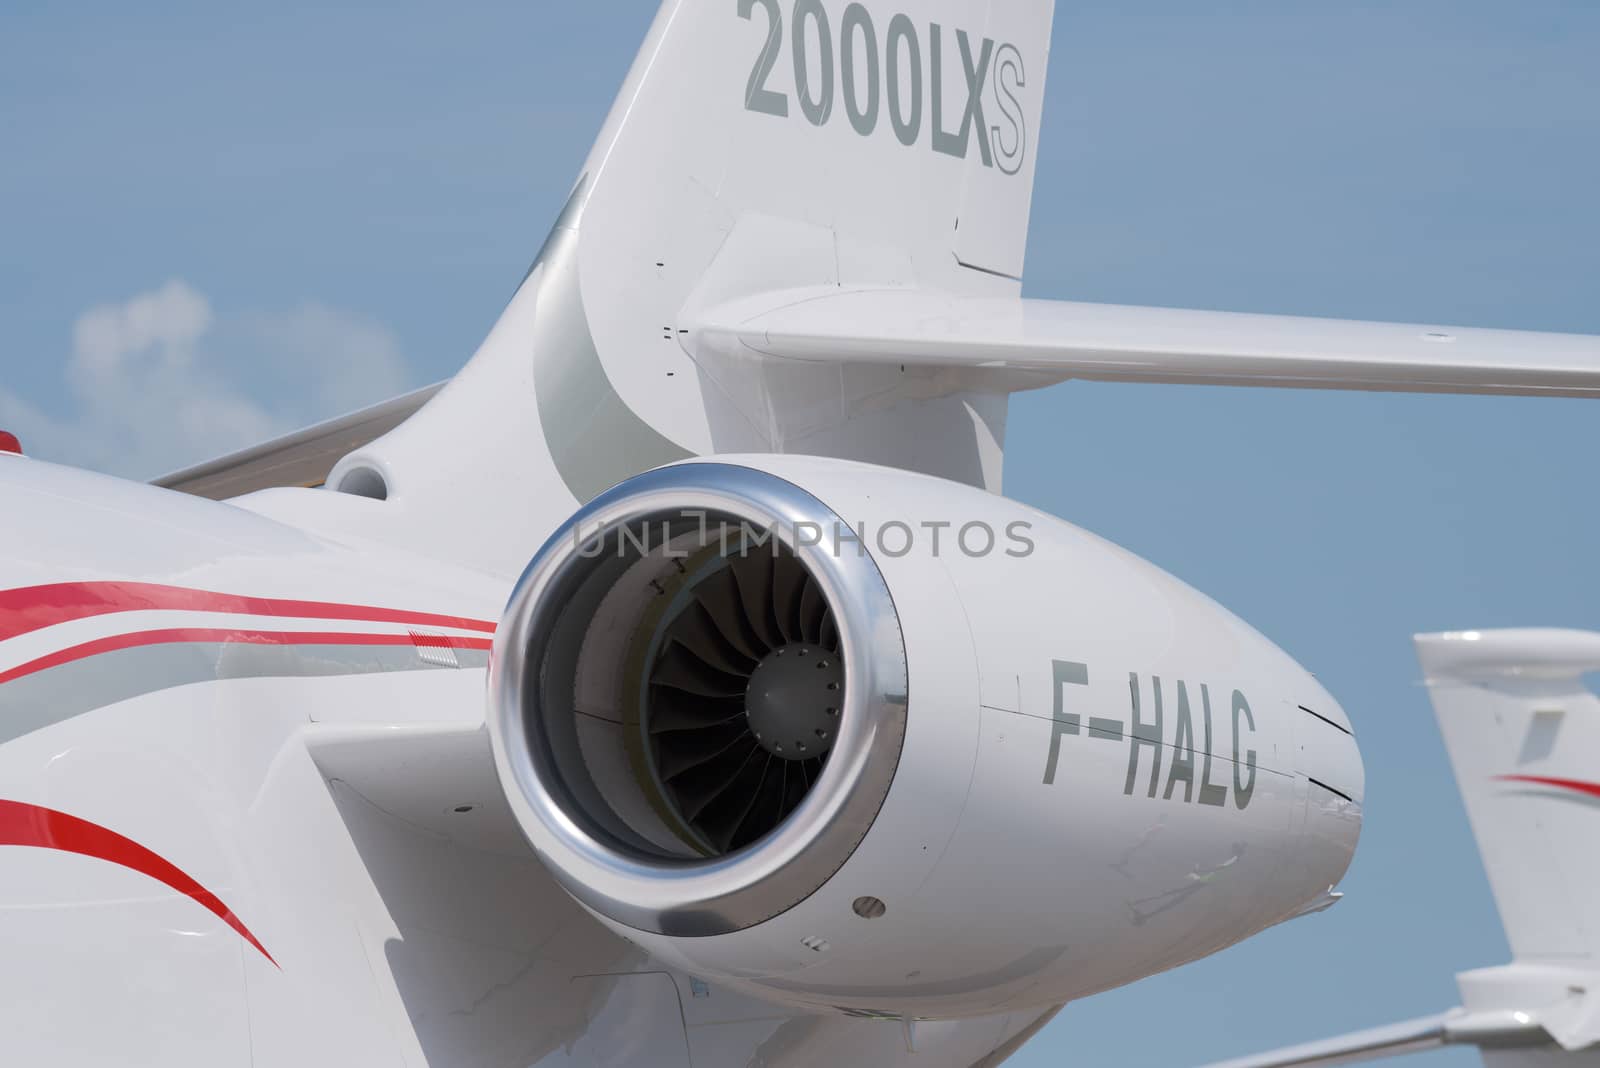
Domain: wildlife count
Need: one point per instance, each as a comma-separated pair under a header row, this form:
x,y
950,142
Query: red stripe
x,y
208,634
44,828
32,607
1576,785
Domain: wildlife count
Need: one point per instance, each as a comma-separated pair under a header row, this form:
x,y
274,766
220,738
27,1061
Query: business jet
x,y
674,685
1522,730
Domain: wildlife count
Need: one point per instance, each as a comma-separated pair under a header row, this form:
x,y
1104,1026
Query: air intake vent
x,y
744,698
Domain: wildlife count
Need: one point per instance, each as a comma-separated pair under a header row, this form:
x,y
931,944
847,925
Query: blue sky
x,y
291,183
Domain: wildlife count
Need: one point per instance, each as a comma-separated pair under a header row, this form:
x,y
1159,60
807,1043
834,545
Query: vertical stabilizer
x,y
1523,733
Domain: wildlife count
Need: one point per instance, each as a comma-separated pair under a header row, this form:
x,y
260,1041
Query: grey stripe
x,y
593,437
58,693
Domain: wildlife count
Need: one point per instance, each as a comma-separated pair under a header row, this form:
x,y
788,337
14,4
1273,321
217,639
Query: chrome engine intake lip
x,y
596,861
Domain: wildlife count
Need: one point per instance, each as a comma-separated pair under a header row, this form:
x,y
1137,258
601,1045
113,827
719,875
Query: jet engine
x,y
855,738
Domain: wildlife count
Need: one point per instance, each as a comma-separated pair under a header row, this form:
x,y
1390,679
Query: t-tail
x,y
1522,729
758,148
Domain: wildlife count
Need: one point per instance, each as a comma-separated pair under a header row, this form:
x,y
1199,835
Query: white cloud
x,y
159,382
162,327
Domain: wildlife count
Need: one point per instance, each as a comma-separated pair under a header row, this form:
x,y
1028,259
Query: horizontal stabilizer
x,y
302,458
1532,653
1109,342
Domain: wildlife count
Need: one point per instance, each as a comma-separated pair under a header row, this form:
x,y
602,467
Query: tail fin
x,y
1523,734
764,146
909,125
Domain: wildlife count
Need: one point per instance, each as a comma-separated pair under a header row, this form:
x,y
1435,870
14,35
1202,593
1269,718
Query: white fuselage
x,y
249,814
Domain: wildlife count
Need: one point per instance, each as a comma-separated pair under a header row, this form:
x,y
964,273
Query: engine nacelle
x,y
850,737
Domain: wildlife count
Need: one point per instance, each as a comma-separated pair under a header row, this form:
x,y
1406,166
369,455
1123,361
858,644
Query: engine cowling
x,y
856,738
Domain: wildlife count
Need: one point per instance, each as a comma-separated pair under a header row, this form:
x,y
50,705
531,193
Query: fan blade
x,y
765,809
680,669
680,751
698,788
794,788
828,637
813,610
720,595
675,710
788,579
696,631
720,820
753,574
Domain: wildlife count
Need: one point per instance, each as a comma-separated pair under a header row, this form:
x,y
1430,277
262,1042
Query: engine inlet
x,y
696,713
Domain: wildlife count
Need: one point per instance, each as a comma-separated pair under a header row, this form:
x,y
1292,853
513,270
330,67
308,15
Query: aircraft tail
x,y
1523,734
757,147
908,128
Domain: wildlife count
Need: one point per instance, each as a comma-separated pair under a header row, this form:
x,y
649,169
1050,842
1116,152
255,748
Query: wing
x,y
1111,342
1501,1030
302,458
